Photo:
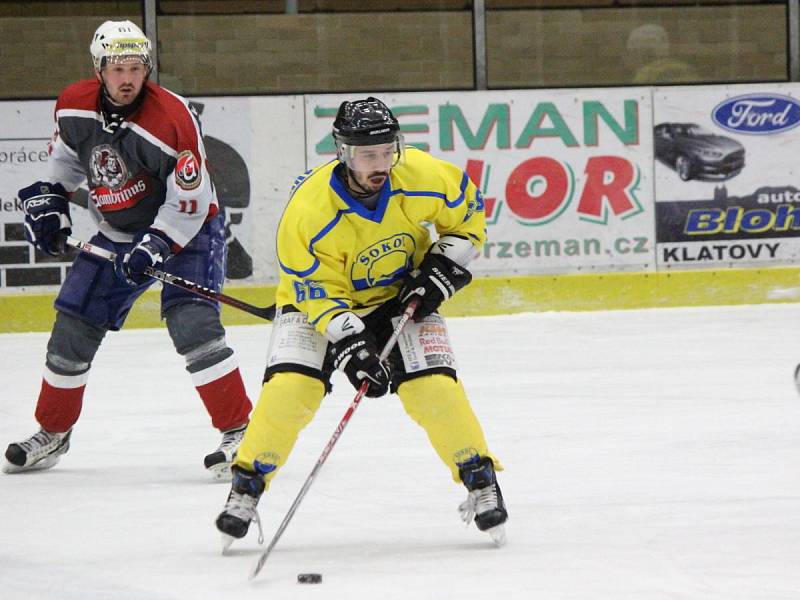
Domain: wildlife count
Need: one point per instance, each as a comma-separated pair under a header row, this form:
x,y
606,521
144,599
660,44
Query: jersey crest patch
x,y
187,171
384,262
107,167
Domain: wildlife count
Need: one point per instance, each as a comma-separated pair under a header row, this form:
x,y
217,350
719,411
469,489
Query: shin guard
x,y
287,403
439,405
60,401
222,391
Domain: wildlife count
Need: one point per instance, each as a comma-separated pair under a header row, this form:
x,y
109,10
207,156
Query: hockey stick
x,y
407,314
267,312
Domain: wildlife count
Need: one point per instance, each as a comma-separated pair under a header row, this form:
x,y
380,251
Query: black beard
x,y
113,115
361,192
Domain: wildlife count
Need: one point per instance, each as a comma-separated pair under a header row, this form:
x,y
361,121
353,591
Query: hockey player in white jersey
x,y
354,249
139,150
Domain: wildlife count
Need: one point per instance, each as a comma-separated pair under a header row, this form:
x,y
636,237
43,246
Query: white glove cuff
x,y
342,325
458,249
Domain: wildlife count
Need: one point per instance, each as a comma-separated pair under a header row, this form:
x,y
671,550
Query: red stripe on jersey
x,y
166,117
162,114
81,95
128,196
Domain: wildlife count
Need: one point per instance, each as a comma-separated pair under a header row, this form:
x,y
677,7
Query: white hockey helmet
x,y
119,41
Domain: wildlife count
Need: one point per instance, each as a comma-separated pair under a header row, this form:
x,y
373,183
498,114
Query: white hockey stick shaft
x,y
407,314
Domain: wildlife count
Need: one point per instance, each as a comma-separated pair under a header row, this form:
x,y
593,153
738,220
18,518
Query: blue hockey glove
x,y
435,280
151,247
47,219
357,356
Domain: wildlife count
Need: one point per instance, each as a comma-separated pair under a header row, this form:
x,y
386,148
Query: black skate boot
x,y
40,451
485,501
218,462
240,509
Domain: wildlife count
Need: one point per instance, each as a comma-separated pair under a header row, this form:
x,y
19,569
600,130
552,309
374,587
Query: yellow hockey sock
x,y
287,403
440,406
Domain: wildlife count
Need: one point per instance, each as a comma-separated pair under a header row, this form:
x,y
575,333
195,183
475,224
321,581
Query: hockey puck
x,y
309,578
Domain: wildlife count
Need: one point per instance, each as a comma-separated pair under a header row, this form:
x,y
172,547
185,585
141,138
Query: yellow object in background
x,y
497,295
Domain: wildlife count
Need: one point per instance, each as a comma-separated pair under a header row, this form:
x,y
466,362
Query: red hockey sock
x,y
60,401
222,390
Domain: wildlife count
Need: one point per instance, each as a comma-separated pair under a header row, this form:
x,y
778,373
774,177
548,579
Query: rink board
x,y
499,295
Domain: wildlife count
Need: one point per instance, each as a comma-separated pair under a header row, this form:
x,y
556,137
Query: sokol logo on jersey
x,y
107,167
187,171
383,262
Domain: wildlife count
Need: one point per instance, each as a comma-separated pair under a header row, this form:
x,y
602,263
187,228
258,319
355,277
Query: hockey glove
x,y
357,356
435,280
151,247
46,216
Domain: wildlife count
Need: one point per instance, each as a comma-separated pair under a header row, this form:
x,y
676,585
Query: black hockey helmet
x,y
365,123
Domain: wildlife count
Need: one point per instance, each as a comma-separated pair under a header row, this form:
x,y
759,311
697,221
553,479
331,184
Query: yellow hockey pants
x,y
288,402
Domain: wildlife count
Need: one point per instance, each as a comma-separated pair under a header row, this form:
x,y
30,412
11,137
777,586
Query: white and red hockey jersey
x,y
149,170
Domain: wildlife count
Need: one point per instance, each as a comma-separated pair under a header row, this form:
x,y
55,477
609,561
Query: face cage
x,y
346,154
126,51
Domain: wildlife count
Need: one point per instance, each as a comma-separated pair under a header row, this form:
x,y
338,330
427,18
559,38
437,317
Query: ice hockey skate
x,y
241,507
219,461
484,503
40,451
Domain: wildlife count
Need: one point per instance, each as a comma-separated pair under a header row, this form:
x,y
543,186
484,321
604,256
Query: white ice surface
x,y
649,455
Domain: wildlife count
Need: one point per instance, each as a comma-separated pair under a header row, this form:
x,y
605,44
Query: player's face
x,y
370,165
379,157
124,81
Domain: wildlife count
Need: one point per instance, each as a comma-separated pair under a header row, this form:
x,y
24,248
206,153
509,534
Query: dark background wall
x,y
252,47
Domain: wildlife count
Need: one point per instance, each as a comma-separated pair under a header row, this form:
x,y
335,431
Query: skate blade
x,y
227,540
220,472
9,468
498,535
46,463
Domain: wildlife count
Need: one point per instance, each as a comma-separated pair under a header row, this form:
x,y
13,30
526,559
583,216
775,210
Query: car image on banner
x,y
696,153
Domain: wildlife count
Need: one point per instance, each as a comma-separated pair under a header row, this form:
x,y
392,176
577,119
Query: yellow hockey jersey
x,y
335,255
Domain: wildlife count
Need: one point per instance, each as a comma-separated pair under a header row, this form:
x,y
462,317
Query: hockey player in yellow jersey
x,y
354,247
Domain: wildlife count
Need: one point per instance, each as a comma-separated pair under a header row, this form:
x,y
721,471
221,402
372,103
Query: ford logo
x,y
757,114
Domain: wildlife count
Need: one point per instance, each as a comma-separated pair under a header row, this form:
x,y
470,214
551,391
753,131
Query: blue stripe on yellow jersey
x,y
336,255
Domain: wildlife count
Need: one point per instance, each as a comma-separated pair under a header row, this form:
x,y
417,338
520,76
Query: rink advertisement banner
x,y
255,150
726,175
26,130
565,174
252,180
590,180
